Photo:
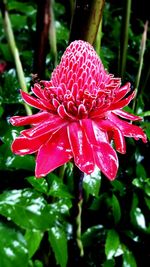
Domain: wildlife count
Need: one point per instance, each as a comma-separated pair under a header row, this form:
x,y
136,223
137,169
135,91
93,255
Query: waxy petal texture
x,y
82,150
53,154
80,114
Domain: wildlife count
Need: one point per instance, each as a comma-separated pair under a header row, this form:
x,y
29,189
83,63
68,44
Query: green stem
x,y
124,38
52,34
141,59
98,38
78,227
15,53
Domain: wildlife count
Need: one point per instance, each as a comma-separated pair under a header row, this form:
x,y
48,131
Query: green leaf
x,y
13,248
92,182
128,259
58,241
40,185
140,171
27,209
96,231
33,238
137,217
109,263
116,209
112,244
57,187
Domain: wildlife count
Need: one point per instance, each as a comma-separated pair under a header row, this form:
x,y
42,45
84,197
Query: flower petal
x,y
105,156
22,145
82,150
106,160
128,129
32,119
93,132
53,154
122,91
109,126
38,91
32,101
53,124
126,115
123,102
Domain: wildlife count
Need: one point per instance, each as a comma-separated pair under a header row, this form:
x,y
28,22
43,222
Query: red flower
x,y
80,114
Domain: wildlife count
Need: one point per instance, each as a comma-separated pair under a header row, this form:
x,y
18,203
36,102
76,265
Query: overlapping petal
x,y
22,145
128,129
32,119
50,126
104,155
81,149
54,153
80,113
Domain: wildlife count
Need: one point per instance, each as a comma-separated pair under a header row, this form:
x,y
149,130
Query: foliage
x,y
35,214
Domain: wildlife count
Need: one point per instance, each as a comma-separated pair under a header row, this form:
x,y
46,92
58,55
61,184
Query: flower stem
x,y
78,180
141,59
14,50
76,251
124,37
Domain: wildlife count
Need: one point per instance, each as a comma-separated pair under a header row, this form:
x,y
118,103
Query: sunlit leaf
x,y
112,244
27,209
13,248
92,182
40,185
33,238
128,259
58,241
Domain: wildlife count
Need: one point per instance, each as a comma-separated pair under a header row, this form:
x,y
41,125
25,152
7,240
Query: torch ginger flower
x,y
80,114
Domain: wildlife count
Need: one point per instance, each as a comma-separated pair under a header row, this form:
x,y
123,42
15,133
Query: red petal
x,y
106,160
38,91
123,102
33,119
128,129
93,132
53,154
126,115
122,91
32,101
23,146
105,156
82,150
118,137
49,126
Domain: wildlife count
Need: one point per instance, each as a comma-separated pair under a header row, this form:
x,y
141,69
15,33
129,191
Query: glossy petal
x,y
53,154
105,156
22,145
38,91
117,135
32,101
32,119
122,103
128,129
49,126
122,92
82,150
127,115
106,160
93,132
